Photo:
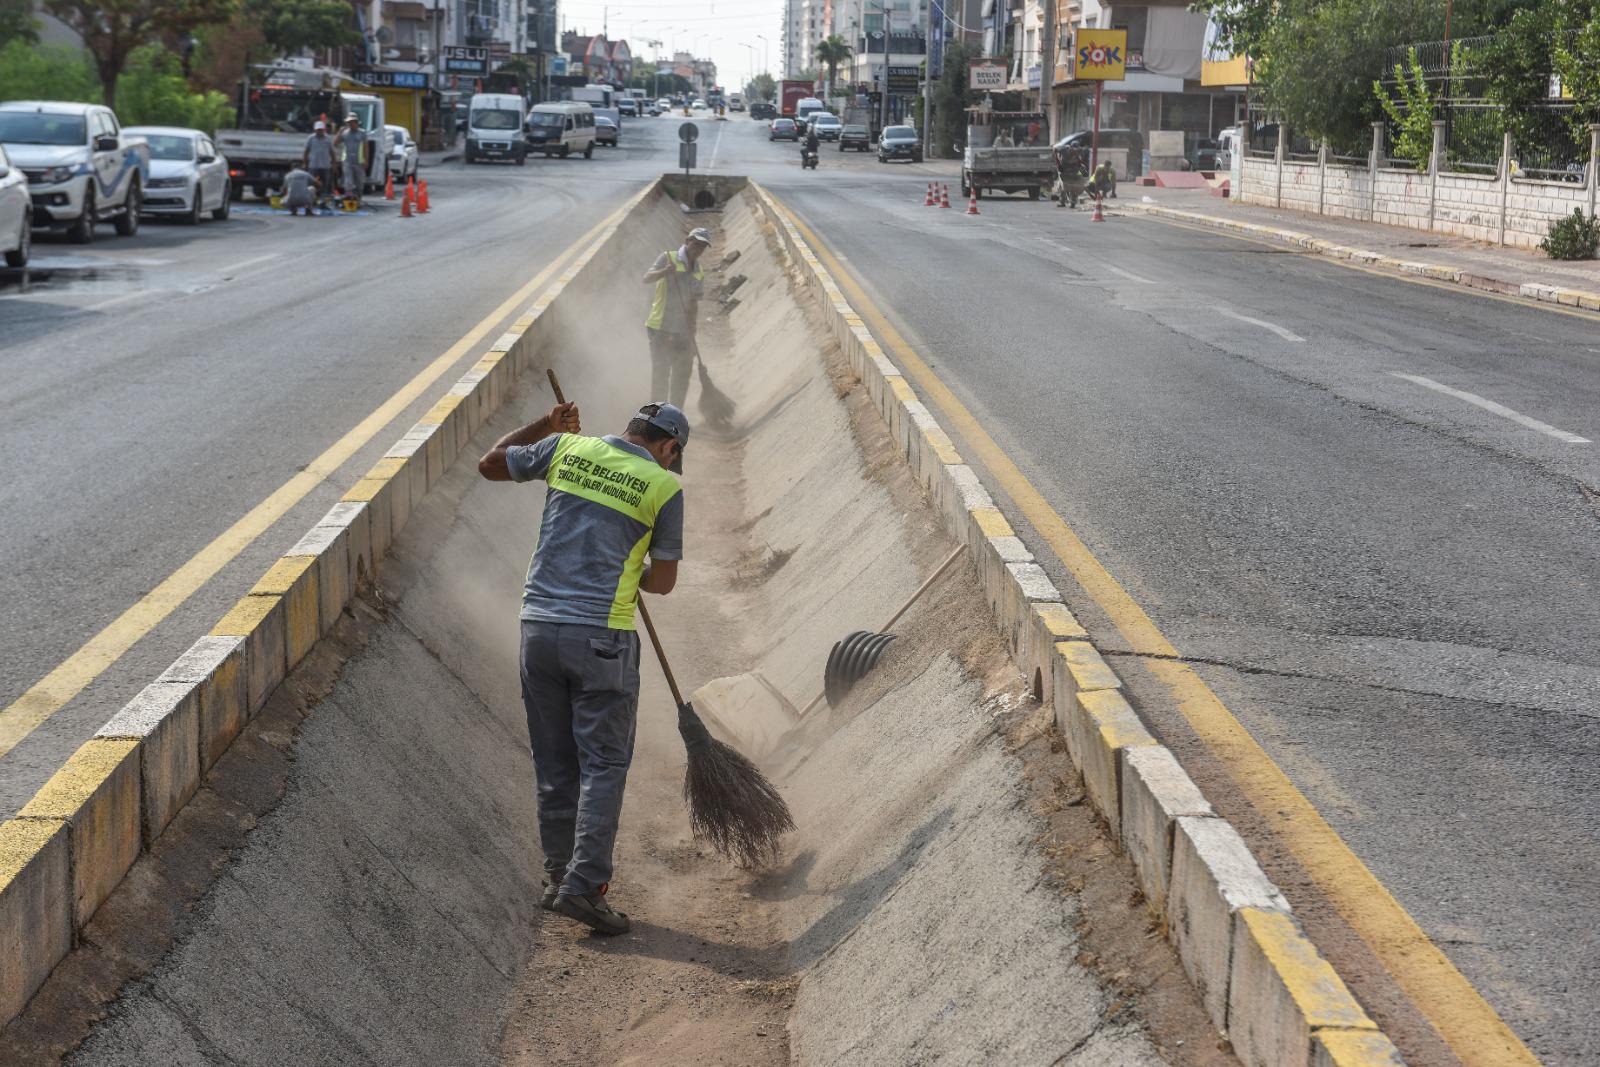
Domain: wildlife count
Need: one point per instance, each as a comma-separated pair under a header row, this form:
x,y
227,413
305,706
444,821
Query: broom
x,y
732,805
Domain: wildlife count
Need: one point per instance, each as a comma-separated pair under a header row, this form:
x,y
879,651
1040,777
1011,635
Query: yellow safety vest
x,y
658,305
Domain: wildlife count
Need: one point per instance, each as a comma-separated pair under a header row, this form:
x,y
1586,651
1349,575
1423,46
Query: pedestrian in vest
x,y
350,139
679,281
611,501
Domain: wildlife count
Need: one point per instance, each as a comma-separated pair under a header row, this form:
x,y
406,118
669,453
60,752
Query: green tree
x,y
46,72
762,87
831,51
153,92
1575,56
289,27
113,29
951,98
17,22
1410,112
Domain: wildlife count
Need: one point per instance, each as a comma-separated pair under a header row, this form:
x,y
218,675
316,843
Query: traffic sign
x,y
688,132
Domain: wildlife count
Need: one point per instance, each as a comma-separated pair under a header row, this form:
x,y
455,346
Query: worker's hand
x,y
564,418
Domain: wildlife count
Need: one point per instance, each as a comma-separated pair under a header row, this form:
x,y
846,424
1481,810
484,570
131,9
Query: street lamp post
x,y
766,66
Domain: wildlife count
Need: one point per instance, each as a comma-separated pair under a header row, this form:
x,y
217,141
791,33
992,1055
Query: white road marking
x,y
716,145
1287,335
237,267
1498,409
1132,277
102,305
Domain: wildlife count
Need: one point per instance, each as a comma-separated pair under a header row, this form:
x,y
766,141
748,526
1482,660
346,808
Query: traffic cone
x,y
972,203
1098,215
405,205
927,199
422,197
388,187
944,196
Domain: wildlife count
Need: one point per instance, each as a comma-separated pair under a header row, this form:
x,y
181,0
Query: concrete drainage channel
x,y
312,840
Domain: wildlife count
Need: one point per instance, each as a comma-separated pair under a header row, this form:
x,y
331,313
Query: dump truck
x,y
790,92
278,107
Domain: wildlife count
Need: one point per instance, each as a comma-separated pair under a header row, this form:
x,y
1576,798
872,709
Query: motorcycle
x,y
808,158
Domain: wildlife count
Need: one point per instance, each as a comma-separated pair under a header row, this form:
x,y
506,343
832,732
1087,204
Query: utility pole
x,y
1047,71
927,77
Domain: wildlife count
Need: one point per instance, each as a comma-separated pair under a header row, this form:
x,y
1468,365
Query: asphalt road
x,y
159,387
1391,586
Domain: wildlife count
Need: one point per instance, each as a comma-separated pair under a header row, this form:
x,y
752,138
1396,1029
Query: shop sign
x,y
1100,55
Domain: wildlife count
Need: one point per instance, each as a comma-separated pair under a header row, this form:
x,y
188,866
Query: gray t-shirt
x,y
584,545
319,152
683,296
297,186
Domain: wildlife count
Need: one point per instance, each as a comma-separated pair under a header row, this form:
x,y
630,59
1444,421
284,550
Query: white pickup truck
x,y
81,168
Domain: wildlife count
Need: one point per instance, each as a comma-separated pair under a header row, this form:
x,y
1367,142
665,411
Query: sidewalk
x,y
1441,257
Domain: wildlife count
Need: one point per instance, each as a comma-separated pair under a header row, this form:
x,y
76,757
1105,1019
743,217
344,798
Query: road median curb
x,y
1548,294
69,847
1194,864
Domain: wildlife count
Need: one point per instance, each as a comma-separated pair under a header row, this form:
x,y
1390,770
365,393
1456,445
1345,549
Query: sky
x,y
720,29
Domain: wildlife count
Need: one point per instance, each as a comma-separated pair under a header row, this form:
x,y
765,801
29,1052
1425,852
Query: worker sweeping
x,y
612,501
670,325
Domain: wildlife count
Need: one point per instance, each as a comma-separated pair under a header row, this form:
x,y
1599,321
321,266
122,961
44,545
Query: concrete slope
x,y
362,865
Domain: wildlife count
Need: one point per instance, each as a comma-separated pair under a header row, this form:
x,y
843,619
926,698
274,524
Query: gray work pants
x,y
580,686
671,359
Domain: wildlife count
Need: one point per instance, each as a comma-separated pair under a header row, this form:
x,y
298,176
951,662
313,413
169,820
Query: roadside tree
x,y
112,30
17,22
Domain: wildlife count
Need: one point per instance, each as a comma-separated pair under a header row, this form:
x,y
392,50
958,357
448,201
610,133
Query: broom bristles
x,y
715,405
733,807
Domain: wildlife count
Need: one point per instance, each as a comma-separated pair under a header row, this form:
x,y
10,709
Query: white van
x,y
495,128
562,128
805,107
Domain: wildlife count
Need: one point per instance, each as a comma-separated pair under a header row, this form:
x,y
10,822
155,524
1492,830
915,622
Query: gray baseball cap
x,y
701,234
669,417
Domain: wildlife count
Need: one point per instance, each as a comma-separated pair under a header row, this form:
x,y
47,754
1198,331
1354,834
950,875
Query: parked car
x,y
664,104
627,105
403,158
826,124
1204,154
16,213
853,136
783,129
1132,141
82,167
763,110
899,142
188,176
605,131
652,108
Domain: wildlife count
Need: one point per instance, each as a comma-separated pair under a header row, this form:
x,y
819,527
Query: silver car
x,y
16,213
188,176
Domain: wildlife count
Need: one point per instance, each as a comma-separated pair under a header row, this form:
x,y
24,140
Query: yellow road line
x,y
1466,1022
1365,268
69,678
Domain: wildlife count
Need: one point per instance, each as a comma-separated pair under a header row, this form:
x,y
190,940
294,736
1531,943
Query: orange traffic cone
x,y
944,196
388,186
927,199
405,205
972,203
422,197
1098,216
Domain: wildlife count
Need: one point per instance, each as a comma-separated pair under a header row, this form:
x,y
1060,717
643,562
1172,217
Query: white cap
x,y
320,125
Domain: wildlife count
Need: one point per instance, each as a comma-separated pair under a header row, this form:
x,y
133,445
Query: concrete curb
x,y
72,843
1549,294
1263,982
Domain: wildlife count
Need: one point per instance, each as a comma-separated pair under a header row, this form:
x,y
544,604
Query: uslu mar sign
x,y
1100,55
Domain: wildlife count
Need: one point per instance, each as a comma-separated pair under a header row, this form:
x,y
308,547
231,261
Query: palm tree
x,y
833,50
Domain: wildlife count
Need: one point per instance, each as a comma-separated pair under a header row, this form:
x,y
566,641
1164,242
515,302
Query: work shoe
x,y
592,910
551,891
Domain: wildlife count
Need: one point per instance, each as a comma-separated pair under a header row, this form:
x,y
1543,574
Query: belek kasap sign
x,y
1100,55
987,76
